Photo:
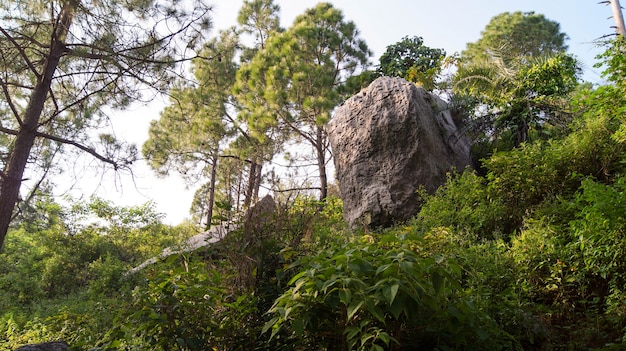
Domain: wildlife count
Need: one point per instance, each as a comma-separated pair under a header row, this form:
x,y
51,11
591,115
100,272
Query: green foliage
x,y
57,103
597,236
355,83
368,295
529,256
175,309
517,100
292,99
412,60
517,36
514,82
467,204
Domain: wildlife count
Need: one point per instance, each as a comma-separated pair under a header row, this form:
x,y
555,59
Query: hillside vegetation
x,y
529,256
526,252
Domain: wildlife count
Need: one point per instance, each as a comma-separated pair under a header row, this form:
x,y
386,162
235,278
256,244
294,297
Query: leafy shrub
x,y
369,295
466,204
185,305
598,236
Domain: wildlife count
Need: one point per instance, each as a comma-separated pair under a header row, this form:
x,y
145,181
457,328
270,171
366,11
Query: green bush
x,y
598,237
369,295
466,204
185,304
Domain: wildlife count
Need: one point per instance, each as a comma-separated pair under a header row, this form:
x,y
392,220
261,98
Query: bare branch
x,y
82,147
8,131
295,189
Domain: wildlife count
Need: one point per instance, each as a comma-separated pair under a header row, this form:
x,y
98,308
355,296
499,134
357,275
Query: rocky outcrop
x,y
387,141
262,213
46,346
254,219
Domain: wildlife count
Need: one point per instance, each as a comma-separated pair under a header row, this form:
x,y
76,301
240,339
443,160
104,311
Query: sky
x,y
448,25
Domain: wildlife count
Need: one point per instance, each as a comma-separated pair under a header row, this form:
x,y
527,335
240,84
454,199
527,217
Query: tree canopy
x,y
292,84
512,81
517,35
412,60
62,61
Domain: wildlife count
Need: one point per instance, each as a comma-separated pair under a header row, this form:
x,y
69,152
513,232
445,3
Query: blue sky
x,y
449,25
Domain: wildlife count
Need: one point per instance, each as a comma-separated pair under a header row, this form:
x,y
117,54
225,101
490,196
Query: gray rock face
x,y
387,141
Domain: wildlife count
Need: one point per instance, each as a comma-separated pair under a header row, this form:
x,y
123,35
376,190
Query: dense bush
x,y
372,294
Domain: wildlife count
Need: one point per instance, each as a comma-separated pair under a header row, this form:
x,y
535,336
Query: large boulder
x,y
387,141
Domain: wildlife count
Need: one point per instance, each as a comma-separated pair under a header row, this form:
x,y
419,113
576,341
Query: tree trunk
x,y
25,139
257,181
211,200
619,18
321,162
247,201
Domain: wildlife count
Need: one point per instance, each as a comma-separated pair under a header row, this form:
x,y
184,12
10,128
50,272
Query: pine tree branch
x,y
9,101
82,147
20,49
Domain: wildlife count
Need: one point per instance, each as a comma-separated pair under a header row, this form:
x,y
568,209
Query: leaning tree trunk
x,y
25,139
251,186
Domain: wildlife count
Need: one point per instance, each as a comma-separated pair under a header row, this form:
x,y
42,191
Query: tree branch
x,y
20,49
7,96
8,131
294,189
82,147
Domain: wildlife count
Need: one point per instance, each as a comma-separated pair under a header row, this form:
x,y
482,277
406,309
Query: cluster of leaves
x,y
412,60
378,294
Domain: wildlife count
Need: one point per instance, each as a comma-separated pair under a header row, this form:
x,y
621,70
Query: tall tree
x,y
412,60
203,122
258,19
191,132
513,79
292,84
61,61
517,35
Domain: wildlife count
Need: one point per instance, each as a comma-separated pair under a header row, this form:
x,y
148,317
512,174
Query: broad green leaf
x,y
345,296
267,326
296,277
397,308
390,292
298,326
375,310
437,281
353,308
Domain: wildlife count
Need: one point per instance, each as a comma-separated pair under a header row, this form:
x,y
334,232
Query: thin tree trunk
x,y
618,17
321,162
247,201
25,139
209,216
257,182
